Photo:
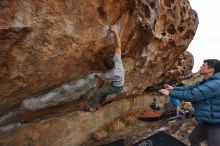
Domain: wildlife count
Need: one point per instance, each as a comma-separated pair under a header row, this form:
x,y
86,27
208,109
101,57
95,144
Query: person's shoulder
x,y
117,56
211,83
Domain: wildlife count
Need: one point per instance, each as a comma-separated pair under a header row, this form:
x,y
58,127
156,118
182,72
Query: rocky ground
x,y
133,130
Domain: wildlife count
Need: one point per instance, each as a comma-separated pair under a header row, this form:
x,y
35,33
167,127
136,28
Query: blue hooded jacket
x,y
205,96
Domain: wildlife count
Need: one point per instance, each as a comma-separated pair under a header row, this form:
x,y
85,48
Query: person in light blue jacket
x,y
205,97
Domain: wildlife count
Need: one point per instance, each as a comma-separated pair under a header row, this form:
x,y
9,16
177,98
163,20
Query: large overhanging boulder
x,y
49,50
47,43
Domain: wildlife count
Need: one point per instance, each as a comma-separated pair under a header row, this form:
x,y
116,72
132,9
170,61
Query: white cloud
x,y
207,37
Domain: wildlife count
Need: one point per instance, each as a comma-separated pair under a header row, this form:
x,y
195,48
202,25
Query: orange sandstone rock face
x,y
181,70
45,44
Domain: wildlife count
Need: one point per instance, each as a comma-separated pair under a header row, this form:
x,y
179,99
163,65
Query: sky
x,y
207,38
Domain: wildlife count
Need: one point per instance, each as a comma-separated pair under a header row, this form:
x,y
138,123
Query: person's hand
x,y
98,76
100,81
164,92
168,87
112,29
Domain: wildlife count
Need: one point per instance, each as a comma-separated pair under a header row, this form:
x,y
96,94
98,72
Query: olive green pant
x,y
103,92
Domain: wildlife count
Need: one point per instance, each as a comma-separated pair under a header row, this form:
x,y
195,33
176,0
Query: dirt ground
x,y
133,130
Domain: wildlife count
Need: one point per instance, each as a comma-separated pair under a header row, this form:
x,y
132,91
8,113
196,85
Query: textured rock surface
x,y
47,43
181,70
66,97
72,129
